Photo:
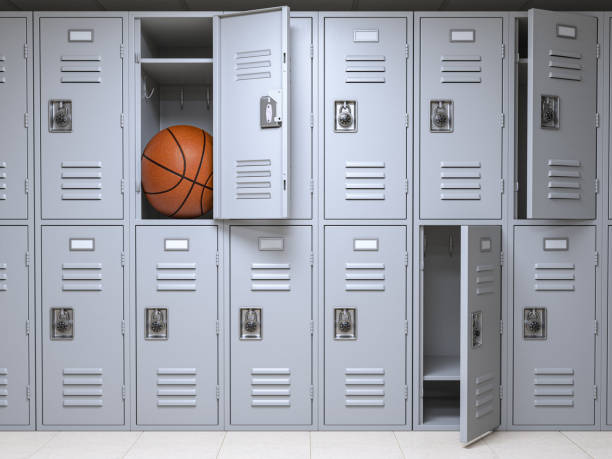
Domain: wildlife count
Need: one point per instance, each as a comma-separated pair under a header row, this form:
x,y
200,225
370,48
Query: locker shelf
x,y
441,411
441,368
178,71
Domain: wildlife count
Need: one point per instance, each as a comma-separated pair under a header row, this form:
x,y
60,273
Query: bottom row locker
x,y
176,320
82,325
271,325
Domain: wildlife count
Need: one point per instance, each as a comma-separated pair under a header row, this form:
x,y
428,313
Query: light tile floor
x,y
298,445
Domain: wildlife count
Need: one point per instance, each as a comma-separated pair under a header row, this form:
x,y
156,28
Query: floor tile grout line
x,y
141,433
221,445
577,445
398,444
55,434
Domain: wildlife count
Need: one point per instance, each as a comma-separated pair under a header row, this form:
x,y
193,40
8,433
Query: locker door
x,y
176,315
365,325
365,117
270,320
14,355
554,314
81,109
14,95
251,122
562,103
82,325
480,338
461,79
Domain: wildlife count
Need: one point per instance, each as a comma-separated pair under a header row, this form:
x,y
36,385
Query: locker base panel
x,y
17,428
255,428
365,427
202,428
83,427
441,412
557,427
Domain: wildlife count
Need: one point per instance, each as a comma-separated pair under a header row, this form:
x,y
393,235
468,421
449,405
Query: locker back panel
x,y
14,294
81,168
461,67
365,165
554,360
82,376
365,374
177,376
271,376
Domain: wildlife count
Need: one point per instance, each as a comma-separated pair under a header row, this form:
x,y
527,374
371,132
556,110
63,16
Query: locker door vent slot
x,y
485,280
3,184
564,179
270,387
156,323
82,277
176,387
251,323
345,324
254,64
81,180
364,277
83,387
460,69
176,277
364,69
486,395
364,387
364,180
569,63
553,387
460,180
270,277
4,387
552,277
3,277
253,179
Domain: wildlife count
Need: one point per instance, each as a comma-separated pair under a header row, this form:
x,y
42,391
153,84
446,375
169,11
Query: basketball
x,y
177,168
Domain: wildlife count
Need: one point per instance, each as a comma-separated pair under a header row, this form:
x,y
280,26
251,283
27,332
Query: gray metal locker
x,y
554,325
14,326
82,117
82,325
251,52
176,323
561,116
14,118
365,325
271,325
365,117
461,81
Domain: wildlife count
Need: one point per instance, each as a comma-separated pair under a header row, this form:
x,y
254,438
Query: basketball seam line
x,y
175,173
182,174
197,172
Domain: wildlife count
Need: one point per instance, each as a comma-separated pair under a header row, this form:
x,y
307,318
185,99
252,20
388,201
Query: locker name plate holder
x,y
250,323
156,323
549,112
345,116
441,115
62,323
345,323
534,323
268,110
60,115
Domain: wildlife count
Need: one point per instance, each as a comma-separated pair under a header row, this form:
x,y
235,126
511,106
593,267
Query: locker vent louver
x,y
553,277
176,277
564,179
563,65
81,69
484,395
176,387
364,180
553,387
82,277
83,387
2,69
485,279
364,68
269,277
253,179
460,181
3,387
3,277
364,387
81,180
460,69
251,65
270,387
363,277
3,184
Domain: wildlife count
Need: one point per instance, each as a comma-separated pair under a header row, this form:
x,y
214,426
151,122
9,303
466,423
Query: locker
x,y
14,309
365,325
365,77
554,325
561,115
81,117
271,325
461,84
82,325
252,56
176,317
14,83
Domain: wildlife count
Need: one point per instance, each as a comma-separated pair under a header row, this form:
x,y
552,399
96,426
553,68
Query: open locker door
x,y
480,338
561,117
251,106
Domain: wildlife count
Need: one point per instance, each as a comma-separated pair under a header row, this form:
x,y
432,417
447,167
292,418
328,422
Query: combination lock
x,y
60,115
251,323
345,118
345,323
440,117
534,323
156,327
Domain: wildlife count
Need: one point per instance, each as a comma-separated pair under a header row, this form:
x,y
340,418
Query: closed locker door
x,y
81,113
14,80
461,100
270,320
14,300
365,325
365,117
561,115
82,325
251,114
176,316
554,325
480,366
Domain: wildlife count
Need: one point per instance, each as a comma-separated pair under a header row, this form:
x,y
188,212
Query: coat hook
x,y
182,98
150,94
451,245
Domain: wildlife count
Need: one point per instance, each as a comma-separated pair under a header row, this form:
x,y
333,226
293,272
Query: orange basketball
x,y
177,168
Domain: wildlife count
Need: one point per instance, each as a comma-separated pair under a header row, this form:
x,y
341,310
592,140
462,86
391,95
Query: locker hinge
x,y
311,51
122,186
595,392
122,258
595,327
218,392
312,120
27,258
405,258
217,258
597,50
312,186
217,327
26,185
122,120
596,186
406,120
311,258
596,120
311,392
405,392
501,327
123,327
503,50
26,51
501,258
26,120
407,50
28,392
502,186
137,186
596,258
137,57
516,187
123,392
28,329
405,327
311,327
502,120
122,50
406,186
501,392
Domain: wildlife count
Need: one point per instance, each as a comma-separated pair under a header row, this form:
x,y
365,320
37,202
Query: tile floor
x,y
298,445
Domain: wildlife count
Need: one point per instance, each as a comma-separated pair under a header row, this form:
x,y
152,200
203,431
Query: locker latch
x,y
268,110
345,116
62,323
476,329
60,115
345,320
441,116
549,112
534,323
250,323
156,323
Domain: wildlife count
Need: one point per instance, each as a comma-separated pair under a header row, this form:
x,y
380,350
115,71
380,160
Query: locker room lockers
x,y
14,326
176,330
271,328
365,146
461,83
82,325
82,117
365,325
554,325
14,93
